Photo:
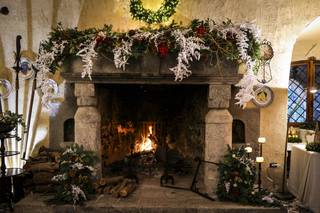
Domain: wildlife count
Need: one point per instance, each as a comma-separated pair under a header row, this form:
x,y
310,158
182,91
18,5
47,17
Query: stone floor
x,y
148,198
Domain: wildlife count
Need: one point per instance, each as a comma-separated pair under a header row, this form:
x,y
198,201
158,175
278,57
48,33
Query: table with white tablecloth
x,y
304,177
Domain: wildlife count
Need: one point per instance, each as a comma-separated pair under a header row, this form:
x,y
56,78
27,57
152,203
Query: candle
x,y
259,159
261,139
248,149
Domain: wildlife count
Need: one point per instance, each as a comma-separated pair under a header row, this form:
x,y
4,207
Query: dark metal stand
x,y
165,177
194,188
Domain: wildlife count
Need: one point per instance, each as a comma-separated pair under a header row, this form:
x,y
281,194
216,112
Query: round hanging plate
x,y
263,96
5,88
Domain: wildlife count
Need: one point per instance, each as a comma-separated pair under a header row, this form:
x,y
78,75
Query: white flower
x,y
268,198
235,185
189,49
68,151
122,54
58,178
227,186
78,166
76,193
42,63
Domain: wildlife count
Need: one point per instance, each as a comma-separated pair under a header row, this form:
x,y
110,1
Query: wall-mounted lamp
x,y
4,11
313,90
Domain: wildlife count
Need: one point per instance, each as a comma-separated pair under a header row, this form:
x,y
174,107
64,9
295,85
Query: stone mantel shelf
x,y
103,78
152,70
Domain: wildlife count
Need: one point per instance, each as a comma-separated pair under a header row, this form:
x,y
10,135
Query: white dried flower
x,y
76,193
122,54
189,49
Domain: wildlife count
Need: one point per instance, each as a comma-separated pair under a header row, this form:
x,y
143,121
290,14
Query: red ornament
x,y
99,39
163,49
201,30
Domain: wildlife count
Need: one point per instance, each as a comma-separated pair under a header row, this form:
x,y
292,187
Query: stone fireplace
x,y
145,100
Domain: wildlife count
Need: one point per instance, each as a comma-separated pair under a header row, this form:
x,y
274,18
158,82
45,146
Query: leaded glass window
x,y
304,106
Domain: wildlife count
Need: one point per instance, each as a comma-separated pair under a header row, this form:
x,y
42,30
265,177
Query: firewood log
x,y
42,167
129,188
117,189
107,189
111,180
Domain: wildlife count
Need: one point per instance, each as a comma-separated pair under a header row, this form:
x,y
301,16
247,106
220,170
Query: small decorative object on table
x,y
315,146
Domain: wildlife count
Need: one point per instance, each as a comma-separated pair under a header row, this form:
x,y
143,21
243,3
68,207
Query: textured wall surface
x,y
280,22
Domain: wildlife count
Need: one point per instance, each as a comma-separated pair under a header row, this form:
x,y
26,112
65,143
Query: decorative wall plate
x,y
5,88
263,96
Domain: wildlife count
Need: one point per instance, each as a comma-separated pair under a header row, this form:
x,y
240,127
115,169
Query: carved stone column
x,y
87,119
218,132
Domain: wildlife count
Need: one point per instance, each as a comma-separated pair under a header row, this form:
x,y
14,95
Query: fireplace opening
x,y
148,128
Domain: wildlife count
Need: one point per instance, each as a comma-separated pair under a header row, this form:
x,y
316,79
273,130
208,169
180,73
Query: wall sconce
x,y
313,90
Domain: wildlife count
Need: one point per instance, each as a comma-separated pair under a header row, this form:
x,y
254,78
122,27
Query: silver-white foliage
x,y
122,54
190,48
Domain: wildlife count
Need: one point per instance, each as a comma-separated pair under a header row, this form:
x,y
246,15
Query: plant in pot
x,y
9,121
315,146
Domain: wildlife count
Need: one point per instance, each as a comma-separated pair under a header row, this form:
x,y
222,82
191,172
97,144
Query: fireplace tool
x,y
17,70
194,185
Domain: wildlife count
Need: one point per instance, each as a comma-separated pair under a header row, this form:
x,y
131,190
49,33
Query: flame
x,y
146,143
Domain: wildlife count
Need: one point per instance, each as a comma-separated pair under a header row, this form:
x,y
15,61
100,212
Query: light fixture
x,y
313,89
261,140
260,159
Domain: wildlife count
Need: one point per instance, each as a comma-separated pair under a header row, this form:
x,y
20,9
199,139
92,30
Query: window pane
x,y
316,97
297,96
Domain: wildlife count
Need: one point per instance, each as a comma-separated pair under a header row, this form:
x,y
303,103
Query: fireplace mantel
x,y
153,70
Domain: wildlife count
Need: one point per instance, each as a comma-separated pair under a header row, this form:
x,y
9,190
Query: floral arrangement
x,y
74,183
166,10
237,42
9,121
237,180
314,147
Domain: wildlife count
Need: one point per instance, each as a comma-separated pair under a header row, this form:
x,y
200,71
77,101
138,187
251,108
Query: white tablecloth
x,y
304,177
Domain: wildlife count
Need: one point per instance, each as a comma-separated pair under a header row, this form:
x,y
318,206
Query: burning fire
x,y
147,142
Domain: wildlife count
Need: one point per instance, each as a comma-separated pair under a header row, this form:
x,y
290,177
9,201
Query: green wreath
x,y
166,10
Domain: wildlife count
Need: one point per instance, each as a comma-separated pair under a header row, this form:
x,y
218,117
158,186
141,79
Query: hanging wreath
x,y
166,10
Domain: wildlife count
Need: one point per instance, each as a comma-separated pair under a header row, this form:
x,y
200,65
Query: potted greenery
x,y
315,145
8,121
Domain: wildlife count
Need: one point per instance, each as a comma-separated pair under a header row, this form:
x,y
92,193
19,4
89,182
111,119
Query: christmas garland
x,y
166,10
237,42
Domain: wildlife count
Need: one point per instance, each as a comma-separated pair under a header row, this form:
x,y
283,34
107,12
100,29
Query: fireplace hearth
x,y
125,114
